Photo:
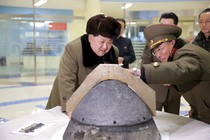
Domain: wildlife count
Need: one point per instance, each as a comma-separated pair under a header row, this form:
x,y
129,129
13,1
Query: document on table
x,y
32,128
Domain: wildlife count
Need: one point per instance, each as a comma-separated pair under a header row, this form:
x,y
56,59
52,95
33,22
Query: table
x,y
171,126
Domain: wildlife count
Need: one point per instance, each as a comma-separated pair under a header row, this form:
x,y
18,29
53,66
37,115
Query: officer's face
x,y
99,44
204,22
163,51
167,21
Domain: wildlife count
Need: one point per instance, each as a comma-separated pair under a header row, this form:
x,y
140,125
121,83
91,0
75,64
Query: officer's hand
x,y
136,71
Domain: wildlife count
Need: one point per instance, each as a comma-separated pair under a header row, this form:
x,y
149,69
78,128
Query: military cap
x,y
160,33
103,25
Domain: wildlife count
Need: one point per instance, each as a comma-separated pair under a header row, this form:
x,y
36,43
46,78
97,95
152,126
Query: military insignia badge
x,y
156,64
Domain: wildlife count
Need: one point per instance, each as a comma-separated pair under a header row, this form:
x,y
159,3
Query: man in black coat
x,y
124,44
203,37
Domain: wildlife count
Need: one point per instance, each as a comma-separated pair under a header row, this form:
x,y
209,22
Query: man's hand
x,y
69,114
136,71
167,85
120,60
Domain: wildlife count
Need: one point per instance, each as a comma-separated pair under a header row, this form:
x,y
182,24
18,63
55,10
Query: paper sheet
x,y
32,128
196,130
59,134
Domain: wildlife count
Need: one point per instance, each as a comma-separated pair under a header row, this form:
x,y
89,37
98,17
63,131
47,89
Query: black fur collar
x,y
91,59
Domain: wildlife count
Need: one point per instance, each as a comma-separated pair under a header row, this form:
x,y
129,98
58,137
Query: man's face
x,y
204,23
163,51
99,44
167,21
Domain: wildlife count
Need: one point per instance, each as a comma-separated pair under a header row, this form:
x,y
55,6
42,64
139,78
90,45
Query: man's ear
x,y
173,42
90,37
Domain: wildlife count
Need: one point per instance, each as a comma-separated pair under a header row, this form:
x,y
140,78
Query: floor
x,y
26,98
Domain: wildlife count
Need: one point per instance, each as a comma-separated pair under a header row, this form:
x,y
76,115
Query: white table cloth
x,y
171,126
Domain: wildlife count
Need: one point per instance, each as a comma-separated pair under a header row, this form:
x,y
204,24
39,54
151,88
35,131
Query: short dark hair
x,y
122,20
170,15
204,11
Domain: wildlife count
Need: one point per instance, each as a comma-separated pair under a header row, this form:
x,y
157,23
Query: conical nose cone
x,y
111,110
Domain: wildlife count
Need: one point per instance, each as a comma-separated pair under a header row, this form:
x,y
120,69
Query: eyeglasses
x,y
204,22
158,50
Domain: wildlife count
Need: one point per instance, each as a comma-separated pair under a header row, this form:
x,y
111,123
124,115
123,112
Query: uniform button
x,y
64,98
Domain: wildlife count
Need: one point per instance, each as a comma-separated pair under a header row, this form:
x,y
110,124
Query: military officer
x,y
188,71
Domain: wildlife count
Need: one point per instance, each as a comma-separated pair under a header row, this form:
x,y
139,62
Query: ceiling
x,y
116,11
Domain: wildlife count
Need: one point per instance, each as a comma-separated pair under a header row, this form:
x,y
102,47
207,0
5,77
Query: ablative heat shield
x,y
111,111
